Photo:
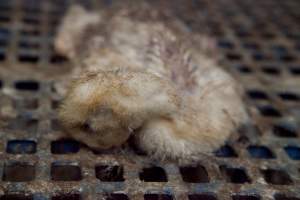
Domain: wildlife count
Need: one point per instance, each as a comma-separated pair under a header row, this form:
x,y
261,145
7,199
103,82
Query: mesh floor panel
x,y
259,43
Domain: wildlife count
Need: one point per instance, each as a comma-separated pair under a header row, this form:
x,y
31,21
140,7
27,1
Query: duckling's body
x,y
144,78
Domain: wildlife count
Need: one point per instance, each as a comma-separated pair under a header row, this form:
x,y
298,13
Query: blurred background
x,y
258,42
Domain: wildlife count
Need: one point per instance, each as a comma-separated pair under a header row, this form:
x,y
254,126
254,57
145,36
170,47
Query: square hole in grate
x,y
202,196
28,58
260,152
235,175
285,129
2,56
18,172
233,56
279,196
226,151
225,44
244,69
289,96
194,174
153,174
32,32
65,172
257,95
270,70
21,147
276,177
158,197
109,173
67,197
55,104
295,71
28,45
293,152
116,197
16,197
57,59
28,85
245,197
269,111
64,146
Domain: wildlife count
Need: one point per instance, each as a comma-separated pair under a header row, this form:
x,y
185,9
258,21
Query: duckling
x,y
147,79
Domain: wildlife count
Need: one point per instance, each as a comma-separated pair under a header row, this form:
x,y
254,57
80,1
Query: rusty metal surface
x,y
259,43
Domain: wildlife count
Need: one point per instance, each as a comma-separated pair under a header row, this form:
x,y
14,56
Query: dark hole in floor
x,y
285,130
117,197
31,21
276,177
287,58
271,70
108,173
194,174
16,197
65,146
233,56
225,44
67,197
28,58
18,172
158,197
260,152
245,197
288,96
57,59
153,174
244,69
257,95
257,56
27,85
2,56
279,196
293,152
226,151
251,46
202,197
55,104
269,111
3,42
64,172
21,147
32,32
295,71
235,175
28,45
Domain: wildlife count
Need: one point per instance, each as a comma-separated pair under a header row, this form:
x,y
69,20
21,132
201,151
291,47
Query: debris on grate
x,y
109,173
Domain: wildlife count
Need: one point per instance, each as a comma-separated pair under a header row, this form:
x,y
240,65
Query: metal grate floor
x,y
260,45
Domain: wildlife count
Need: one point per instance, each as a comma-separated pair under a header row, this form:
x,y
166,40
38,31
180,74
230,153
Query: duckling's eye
x,y
86,127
